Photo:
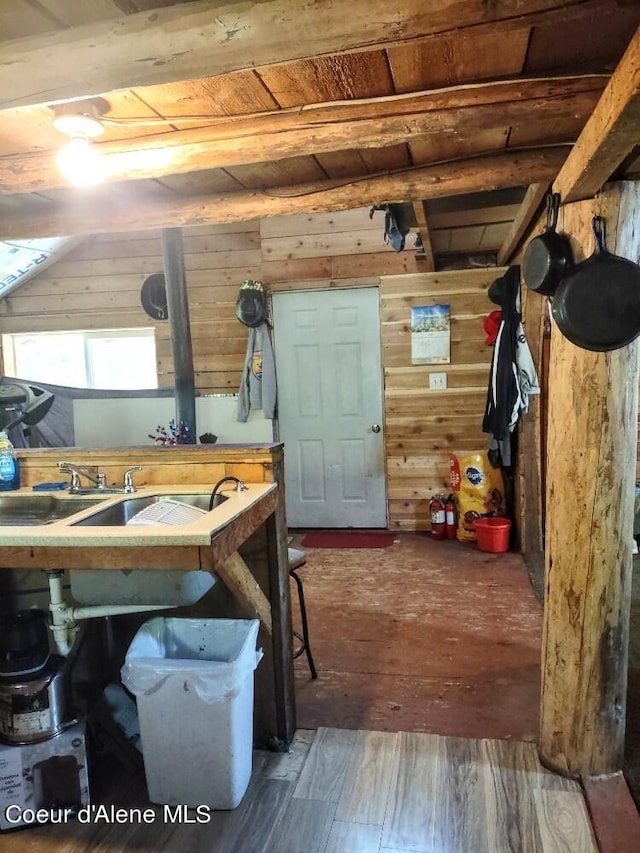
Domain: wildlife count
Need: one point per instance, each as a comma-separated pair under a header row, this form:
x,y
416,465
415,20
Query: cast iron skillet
x,y
548,257
597,305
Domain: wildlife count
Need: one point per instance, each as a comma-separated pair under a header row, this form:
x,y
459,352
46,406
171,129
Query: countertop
x,y
63,533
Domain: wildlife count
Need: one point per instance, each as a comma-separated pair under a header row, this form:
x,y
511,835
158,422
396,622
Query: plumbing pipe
x,y
98,610
62,630
64,619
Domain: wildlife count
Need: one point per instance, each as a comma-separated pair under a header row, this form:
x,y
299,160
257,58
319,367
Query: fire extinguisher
x,y
451,515
438,519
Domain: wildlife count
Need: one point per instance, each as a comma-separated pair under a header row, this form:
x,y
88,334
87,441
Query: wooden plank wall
x,y
98,285
423,426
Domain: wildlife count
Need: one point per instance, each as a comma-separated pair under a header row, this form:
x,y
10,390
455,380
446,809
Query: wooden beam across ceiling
x,y
208,37
611,133
420,211
321,128
530,204
105,211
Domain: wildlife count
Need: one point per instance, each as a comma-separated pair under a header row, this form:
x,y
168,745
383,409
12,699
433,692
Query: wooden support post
x,y
237,576
593,404
279,589
420,210
529,482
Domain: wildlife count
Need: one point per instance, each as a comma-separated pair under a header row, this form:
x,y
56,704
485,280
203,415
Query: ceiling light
x,y
80,163
78,160
78,119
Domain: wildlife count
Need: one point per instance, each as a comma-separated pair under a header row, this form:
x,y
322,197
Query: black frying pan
x,y
597,305
548,257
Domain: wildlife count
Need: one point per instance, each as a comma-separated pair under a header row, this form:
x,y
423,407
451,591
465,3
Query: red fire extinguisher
x,y
438,519
451,516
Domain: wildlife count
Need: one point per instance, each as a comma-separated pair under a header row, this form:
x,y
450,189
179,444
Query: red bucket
x,y
492,534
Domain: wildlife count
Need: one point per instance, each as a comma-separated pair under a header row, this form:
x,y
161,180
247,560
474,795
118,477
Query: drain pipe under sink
x,y
64,618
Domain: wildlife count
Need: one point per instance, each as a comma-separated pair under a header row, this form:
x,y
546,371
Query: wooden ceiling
x,y
216,111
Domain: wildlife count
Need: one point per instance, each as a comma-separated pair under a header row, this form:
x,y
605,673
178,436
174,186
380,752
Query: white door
x,y
327,346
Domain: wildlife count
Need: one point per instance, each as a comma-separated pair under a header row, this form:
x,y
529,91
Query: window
x,y
114,359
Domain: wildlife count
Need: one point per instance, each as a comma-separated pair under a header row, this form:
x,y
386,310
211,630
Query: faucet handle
x,y
128,479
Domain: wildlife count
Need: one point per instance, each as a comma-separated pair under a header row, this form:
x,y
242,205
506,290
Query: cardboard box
x,y
43,782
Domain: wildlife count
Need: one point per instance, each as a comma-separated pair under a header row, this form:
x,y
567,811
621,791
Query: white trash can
x,y
193,680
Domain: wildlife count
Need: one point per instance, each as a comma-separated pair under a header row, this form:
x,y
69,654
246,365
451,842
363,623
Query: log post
x,y
593,404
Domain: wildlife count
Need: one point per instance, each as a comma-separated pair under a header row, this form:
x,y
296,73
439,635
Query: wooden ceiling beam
x,y
530,204
111,211
420,211
209,37
367,123
610,134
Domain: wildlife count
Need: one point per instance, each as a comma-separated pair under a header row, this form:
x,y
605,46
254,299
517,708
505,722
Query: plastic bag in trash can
x,y
215,656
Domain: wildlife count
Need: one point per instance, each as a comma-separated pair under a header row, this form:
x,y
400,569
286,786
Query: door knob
x,y
375,428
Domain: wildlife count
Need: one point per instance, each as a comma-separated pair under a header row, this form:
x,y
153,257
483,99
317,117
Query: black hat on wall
x,y
502,290
251,305
153,296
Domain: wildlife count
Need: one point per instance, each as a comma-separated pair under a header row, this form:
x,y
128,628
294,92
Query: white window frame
x,y
87,335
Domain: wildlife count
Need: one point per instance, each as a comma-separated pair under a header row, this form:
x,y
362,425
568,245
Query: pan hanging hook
x,y
599,232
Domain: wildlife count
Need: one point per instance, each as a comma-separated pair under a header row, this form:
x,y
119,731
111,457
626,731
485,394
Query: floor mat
x,y
348,539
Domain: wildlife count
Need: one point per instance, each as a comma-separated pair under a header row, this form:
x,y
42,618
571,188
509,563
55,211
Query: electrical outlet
x,y
437,381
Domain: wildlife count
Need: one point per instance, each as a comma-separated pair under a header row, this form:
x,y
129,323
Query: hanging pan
x,y
548,257
597,305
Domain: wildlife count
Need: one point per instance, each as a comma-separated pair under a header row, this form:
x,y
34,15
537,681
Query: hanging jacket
x,y
503,395
258,387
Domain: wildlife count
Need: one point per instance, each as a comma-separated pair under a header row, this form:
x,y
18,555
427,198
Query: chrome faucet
x,y
129,485
75,488
98,478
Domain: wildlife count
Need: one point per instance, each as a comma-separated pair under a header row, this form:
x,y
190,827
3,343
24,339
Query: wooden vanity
x,y
243,542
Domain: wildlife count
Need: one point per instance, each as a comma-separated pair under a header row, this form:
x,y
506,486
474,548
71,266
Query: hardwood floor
x,y
342,791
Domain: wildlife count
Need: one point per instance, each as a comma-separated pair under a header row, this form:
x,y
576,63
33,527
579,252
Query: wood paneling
x,y
457,59
424,426
98,285
329,78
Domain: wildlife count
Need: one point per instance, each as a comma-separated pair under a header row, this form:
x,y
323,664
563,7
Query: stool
x,y
296,559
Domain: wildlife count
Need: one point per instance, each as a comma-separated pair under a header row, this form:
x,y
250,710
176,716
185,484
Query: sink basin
x,y
121,513
26,510
142,587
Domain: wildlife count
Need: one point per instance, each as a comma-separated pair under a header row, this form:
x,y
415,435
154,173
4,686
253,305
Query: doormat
x,y
348,539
